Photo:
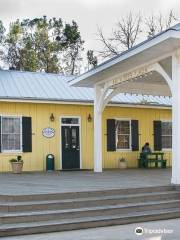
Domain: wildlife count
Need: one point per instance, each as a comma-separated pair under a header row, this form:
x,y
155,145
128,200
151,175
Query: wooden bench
x,y
155,159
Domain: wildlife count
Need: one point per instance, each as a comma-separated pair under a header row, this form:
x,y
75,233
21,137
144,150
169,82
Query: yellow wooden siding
x,y
145,118
40,114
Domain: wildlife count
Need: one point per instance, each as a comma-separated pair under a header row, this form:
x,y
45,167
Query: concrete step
x,y
88,202
86,222
84,194
23,217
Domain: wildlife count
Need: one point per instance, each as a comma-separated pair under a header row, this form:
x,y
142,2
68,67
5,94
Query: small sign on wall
x,y
48,132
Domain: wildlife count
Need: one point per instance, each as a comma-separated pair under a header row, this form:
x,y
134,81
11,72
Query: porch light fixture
x,y
89,118
52,118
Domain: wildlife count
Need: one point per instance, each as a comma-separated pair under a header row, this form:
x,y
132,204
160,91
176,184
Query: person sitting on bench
x,y
145,150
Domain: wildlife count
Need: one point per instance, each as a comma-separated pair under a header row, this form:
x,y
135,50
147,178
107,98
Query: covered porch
x,y
78,181
150,68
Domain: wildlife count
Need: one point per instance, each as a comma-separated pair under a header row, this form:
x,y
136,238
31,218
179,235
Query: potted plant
x,y
122,163
17,164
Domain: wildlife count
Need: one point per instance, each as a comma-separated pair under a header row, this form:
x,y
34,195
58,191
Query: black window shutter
x,y
111,135
157,136
27,134
135,135
0,133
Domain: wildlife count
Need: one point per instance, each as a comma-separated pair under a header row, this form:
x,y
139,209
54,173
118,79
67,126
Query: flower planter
x,y
122,165
17,167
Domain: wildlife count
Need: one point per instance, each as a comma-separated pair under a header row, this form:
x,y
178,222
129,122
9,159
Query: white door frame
x,y
80,144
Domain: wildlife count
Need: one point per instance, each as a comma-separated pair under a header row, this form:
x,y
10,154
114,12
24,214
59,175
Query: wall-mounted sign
x,y
48,132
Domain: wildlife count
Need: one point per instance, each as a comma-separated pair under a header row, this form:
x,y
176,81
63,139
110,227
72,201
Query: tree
x,y
92,60
123,37
128,31
2,32
13,45
43,44
74,47
159,23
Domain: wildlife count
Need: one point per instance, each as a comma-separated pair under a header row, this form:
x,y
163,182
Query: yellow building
x,y
41,114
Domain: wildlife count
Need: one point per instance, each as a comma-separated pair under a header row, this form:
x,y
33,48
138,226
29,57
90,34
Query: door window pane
x,y
74,137
67,138
70,121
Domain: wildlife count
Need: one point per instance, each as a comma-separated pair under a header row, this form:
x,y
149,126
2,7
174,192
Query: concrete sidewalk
x,y
123,232
72,181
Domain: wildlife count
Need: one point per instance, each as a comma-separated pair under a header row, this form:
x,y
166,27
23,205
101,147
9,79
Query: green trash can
x,y
50,162
163,165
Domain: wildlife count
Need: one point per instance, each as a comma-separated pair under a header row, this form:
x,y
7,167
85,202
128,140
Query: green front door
x,y
70,147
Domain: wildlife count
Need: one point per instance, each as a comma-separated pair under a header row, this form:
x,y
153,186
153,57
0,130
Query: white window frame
x,y
12,151
130,143
166,149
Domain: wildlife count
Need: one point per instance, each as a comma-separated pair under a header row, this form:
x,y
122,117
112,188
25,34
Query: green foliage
x,y
2,31
122,159
17,159
43,44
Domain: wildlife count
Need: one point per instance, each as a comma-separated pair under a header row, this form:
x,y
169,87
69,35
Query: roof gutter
x,y
85,103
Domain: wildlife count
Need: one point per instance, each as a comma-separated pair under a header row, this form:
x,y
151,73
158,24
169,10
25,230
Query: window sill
x,y
123,150
12,152
166,149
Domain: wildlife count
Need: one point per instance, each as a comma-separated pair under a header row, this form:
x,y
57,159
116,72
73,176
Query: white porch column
x,y
176,118
97,131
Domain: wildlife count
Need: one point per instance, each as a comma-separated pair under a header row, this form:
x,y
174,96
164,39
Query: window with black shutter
x,y
135,135
111,135
157,136
27,134
15,134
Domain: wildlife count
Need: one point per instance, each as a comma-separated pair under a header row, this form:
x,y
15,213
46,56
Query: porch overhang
x,y
150,68
157,49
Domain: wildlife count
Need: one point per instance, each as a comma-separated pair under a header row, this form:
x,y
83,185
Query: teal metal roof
x,y
55,87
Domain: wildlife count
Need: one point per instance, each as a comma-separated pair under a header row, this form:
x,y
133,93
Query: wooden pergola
x,y
150,68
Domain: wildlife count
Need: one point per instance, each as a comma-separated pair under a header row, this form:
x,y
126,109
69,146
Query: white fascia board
x,y
90,103
160,38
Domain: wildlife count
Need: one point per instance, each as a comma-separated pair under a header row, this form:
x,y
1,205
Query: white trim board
x,y
90,103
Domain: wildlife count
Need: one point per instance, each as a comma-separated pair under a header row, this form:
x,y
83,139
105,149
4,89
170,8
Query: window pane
x,y
17,143
123,127
11,134
70,120
5,125
123,134
10,125
123,142
166,128
166,141
16,125
5,142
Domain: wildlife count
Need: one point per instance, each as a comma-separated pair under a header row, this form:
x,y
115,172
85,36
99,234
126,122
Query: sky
x,y
89,14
